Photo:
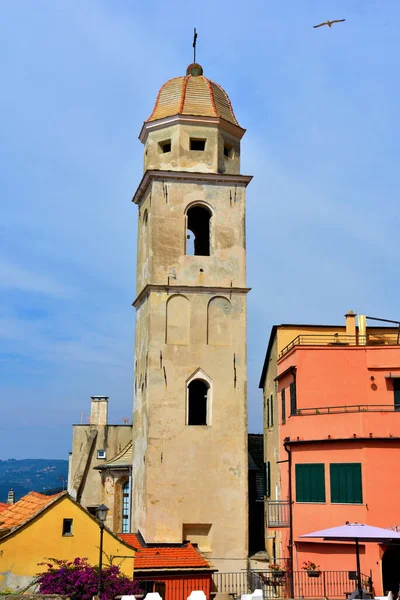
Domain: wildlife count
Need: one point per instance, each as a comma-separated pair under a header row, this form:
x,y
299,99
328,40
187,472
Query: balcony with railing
x,y
278,513
342,339
290,584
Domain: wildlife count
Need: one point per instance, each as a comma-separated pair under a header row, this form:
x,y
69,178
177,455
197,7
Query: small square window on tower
x,y
196,144
165,146
228,150
101,453
67,527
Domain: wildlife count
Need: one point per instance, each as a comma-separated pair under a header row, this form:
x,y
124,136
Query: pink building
x,y
332,443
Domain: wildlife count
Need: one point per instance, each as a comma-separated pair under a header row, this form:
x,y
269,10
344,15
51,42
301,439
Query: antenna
x,y
194,44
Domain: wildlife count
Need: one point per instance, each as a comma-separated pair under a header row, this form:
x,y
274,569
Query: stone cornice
x,y
187,176
184,289
149,126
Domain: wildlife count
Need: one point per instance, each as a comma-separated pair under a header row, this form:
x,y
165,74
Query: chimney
x,y
351,323
99,410
11,497
362,330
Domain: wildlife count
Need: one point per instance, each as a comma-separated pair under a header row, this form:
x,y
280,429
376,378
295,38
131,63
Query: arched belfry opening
x,y
198,231
198,401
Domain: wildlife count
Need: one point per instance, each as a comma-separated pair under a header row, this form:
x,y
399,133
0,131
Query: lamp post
x,y
101,516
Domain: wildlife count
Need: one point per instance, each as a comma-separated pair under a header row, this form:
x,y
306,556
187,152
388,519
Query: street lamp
x,y
101,516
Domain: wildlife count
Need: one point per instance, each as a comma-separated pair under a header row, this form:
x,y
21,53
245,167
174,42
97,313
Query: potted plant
x,y
277,570
312,569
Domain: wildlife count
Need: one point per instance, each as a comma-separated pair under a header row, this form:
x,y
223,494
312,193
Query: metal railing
x,y
341,339
278,513
278,584
346,408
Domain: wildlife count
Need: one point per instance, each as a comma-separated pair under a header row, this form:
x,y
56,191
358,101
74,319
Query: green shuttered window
x,y
271,405
293,402
283,406
268,479
310,483
346,483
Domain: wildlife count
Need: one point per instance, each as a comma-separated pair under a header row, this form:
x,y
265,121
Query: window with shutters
x,y
396,392
283,401
271,411
346,483
293,402
268,479
268,412
310,482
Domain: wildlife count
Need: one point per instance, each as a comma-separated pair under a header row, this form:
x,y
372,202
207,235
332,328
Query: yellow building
x,y
38,527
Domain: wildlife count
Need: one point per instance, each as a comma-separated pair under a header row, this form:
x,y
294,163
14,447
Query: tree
x,y
78,579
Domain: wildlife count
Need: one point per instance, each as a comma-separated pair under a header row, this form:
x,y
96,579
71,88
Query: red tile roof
x,y
4,506
26,508
158,557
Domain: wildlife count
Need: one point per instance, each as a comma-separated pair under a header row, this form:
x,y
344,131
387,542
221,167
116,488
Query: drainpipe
x,y
286,445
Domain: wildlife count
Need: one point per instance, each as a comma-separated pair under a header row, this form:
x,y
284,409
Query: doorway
x,y
391,570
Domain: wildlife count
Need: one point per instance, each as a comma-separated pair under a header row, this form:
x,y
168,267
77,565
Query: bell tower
x,y
190,406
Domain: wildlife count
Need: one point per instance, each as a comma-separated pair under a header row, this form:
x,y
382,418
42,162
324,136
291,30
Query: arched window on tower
x,y
126,508
198,231
198,392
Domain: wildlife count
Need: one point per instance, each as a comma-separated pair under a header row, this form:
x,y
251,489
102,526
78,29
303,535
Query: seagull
x,y
329,23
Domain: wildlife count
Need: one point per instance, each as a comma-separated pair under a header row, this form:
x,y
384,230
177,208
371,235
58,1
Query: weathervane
x,y
194,44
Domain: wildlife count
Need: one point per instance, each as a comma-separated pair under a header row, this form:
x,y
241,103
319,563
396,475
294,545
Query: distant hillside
x,y
38,474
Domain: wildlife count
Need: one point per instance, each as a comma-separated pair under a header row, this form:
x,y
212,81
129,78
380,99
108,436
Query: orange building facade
x,y
332,443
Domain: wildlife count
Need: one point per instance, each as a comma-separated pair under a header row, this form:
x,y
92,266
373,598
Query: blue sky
x,y
78,79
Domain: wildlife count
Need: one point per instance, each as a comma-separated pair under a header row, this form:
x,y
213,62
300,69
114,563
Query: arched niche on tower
x,y
178,320
198,229
219,322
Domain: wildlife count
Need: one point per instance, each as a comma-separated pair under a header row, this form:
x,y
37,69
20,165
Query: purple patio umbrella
x,y
356,532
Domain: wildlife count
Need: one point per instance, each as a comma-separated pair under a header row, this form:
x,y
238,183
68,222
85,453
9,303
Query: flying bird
x,y
329,23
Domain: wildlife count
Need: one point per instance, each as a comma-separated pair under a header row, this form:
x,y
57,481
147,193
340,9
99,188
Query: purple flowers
x,y
78,579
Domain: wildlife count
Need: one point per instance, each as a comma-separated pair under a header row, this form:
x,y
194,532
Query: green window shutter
x,y
283,406
396,392
268,479
293,403
272,411
346,483
267,412
310,482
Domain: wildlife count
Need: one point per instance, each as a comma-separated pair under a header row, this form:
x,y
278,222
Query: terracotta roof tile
x,y
192,95
157,557
23,510
4,506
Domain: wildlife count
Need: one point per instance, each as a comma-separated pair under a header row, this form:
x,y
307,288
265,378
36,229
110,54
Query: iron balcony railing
x,y
281,584
342,339
278,513
346,408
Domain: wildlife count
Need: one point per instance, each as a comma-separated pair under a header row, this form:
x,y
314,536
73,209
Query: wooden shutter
x,y
272,411
268,412
293,403
283,406
268,479
396,391
310,482
346,483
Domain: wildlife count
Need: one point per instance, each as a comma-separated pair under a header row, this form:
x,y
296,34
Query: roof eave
x,y
149,126
188,176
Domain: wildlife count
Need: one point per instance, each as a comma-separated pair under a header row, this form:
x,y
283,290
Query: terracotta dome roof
x,y
193,94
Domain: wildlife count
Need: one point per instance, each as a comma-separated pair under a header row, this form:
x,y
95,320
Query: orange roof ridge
x,y
208,82
227,97
159,94
182,103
